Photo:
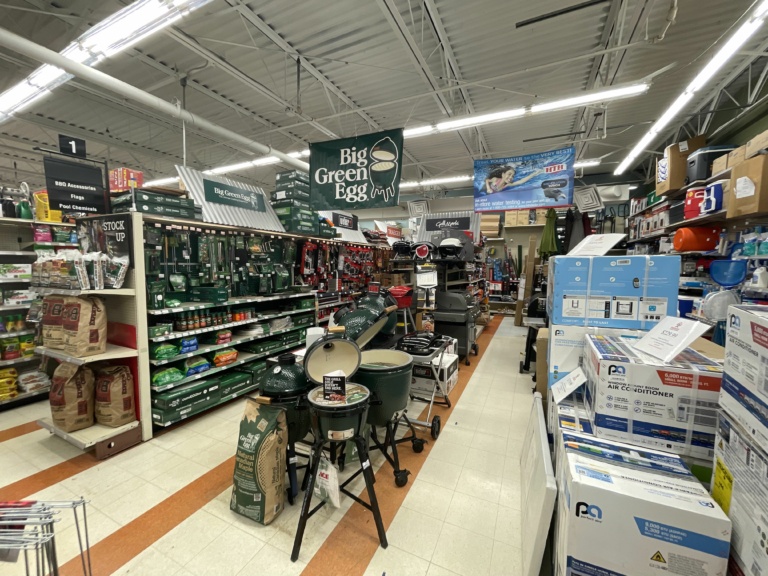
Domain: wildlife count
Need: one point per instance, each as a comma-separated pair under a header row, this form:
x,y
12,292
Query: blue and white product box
x,y
744,395
627,511
613,291
636,398
740,488
566,347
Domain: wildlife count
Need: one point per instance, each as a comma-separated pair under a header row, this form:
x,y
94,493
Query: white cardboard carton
x,y
633,397
739,486
423,381
744,394
566,347
622,514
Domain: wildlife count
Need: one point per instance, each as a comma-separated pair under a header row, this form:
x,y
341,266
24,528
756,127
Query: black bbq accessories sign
x,y
74,187
344,221
356,173
461,223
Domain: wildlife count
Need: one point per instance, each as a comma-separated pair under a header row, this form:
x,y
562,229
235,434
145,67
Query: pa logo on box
x,y
588,511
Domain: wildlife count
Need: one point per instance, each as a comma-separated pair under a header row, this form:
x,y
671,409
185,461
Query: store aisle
x,y
462,513
163,507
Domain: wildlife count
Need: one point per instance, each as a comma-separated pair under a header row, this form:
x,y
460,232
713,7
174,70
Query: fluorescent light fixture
x,y
302,154
573,102
123,29
162,181
418,131
435,181
481,119
586,163
266,161
633,186
229,168
718,60
591,98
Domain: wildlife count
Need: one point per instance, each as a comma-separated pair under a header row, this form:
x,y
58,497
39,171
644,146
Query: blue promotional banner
x,y
543,180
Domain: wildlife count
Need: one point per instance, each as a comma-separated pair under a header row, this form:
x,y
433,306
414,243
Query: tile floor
x,y
460,517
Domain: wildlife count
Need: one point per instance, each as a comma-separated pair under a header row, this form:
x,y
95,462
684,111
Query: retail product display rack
x,y
123,335
16,237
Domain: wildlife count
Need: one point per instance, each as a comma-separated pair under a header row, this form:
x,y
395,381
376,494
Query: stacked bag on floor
x,y
79,396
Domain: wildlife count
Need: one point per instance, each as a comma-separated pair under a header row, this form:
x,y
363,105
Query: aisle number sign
x,y
356,173
219,193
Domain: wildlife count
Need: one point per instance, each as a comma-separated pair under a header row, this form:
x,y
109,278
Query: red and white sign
x,y
394,232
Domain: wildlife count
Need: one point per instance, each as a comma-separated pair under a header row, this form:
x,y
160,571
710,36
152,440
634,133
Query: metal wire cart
x,y
27,535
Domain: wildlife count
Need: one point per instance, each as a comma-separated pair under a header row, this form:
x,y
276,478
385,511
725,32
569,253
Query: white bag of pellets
x,y
259,479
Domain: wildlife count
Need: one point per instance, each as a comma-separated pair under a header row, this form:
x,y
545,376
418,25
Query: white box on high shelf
x,y
634,512
744,394
739,486
636,398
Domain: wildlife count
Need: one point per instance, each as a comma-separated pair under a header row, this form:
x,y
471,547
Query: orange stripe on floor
x,y
109,554
47,478
16,431
350,547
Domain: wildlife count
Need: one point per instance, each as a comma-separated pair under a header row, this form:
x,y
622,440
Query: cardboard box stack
x,y
634,511
671,169
739,482
290,201
613,291
490,225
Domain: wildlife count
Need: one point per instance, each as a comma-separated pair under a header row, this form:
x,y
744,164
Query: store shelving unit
x,y
113,352
96,436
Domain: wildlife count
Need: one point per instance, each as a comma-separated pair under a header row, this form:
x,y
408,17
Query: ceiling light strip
x,y
723,55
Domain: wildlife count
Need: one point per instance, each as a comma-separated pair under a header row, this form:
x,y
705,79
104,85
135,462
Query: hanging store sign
x,y
460,223
75,188
356,173
543,180
394,232
344,221
219,193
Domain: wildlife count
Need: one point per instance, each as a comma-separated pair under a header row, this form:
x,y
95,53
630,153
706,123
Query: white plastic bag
x,y
327,483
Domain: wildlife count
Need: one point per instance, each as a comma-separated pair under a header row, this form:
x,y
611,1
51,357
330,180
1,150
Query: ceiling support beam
x,y
30,49
329,86
442,36
193,45
400,29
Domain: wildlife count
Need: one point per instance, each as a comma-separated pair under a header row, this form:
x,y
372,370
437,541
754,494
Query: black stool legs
x,y
306,513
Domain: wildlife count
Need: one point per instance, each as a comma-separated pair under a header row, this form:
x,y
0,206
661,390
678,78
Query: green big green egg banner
x,y
356,173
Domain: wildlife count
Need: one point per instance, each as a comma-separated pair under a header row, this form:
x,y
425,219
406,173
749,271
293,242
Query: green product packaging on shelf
x,y
166,417
156,294
291,175
209,294
233,382
172,303
290,203
162,350
187,394
305,304
291,185
20,271
159,330
160,209
27,345
178,282
254,369
164,376
143,197
196,365
290,194
10,349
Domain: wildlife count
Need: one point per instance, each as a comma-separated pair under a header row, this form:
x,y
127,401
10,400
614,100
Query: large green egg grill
x,y
285,384
362,324
377,303
387,374
335,420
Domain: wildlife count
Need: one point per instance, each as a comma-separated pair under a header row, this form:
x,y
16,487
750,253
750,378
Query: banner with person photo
x,y
543,180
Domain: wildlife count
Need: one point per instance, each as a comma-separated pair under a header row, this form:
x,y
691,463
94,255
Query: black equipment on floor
x,y
455,316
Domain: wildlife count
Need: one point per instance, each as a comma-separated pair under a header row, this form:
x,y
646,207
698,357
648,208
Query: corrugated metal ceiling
x,y
367,73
